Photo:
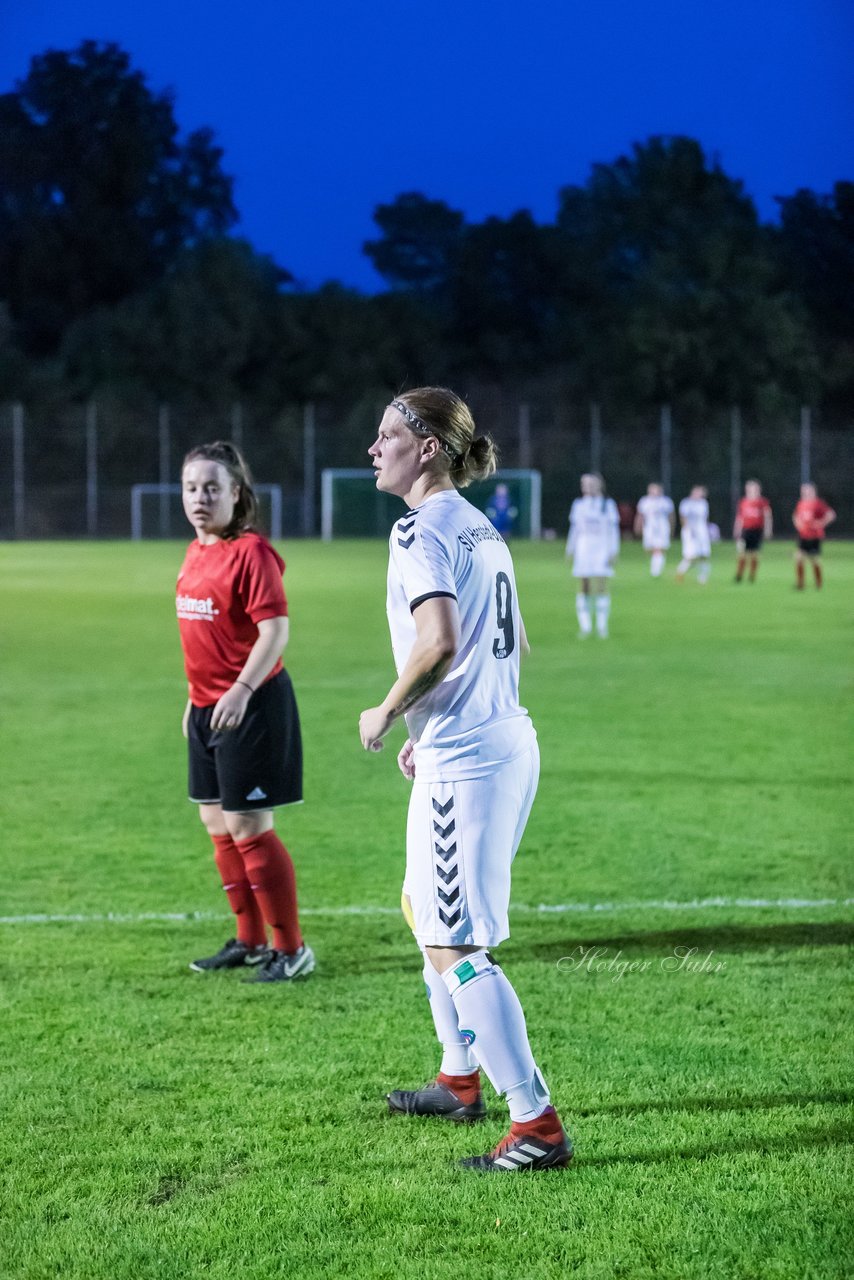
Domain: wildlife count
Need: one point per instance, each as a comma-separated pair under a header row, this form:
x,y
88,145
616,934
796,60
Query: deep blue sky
x,y
327,107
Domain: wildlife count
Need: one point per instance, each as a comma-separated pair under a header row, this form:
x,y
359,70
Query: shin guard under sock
x,y
241,899
457,1057
271,875
487,1005
603,609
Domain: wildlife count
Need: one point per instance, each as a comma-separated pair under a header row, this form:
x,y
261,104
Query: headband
x,y
417,425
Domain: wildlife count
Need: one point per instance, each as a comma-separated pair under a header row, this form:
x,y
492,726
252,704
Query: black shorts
x,y
259,765
810,546
752,539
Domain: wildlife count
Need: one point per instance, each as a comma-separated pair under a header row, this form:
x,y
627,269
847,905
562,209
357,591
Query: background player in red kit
x,y
753,522
241,720
811,517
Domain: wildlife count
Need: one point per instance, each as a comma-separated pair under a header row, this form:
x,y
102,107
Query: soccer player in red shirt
x,y
811,518
753,523
241,720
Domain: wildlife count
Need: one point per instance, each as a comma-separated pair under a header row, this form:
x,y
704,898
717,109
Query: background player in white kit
x,y
696,539
594,544
655,520
473,759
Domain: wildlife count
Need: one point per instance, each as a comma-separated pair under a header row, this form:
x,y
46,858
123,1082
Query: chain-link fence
x,y
67,470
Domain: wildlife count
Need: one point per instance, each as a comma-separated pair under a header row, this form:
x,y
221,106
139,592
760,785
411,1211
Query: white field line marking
x,y
543,908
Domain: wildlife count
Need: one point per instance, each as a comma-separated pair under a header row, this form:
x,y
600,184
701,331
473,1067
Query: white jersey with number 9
x,y
471,724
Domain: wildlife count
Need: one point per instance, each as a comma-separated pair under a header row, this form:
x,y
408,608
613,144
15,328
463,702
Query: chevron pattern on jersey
x,y
449,891
404,527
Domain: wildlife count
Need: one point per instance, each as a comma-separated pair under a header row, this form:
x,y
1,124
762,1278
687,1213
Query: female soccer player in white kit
x,y
654,520
696,539
473,760
594,544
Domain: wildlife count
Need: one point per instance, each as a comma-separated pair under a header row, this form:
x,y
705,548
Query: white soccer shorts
x,y
592,562
695,546
461,839
656,539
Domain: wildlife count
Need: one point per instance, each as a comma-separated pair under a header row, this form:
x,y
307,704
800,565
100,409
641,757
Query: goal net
x,y
353,507
156,510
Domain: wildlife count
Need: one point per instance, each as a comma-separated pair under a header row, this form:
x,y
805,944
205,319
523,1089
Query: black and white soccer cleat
x,y
233,955
284,966
436,1099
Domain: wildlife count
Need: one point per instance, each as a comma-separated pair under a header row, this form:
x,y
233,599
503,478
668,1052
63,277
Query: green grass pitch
x,y
162,1123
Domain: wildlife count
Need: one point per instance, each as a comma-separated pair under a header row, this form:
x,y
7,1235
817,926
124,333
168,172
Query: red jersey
x,y
751,512
224,590
809,514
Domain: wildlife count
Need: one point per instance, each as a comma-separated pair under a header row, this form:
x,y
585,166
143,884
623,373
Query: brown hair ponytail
x,y
230,457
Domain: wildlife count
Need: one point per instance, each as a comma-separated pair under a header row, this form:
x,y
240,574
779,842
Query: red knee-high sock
x,y
754,565
241,899
467,1088
739,568
271,875
816,568
799,573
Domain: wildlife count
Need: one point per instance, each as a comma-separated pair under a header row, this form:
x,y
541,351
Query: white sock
x,y
582,612
457,1057
703,570
603,608
486,1002
656,563
684,566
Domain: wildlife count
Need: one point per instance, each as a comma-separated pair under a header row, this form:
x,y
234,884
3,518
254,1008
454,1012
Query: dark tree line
x,y
656,282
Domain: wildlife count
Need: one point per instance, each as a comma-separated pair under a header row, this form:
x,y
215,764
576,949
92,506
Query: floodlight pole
x,y
163,430
666,448
525,436
734,458
309,450
595,437
18,496
806,443
92,469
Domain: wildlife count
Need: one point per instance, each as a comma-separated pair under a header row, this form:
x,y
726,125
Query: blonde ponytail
x,y
440,412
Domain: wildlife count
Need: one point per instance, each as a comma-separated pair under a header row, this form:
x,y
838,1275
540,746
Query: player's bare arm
x,y
263,656
437,626
524,646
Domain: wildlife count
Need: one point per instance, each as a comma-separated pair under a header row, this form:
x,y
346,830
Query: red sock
x,y
241,899
467,1088
271,875
816,568
739,568
546,1126
754,565
799,573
